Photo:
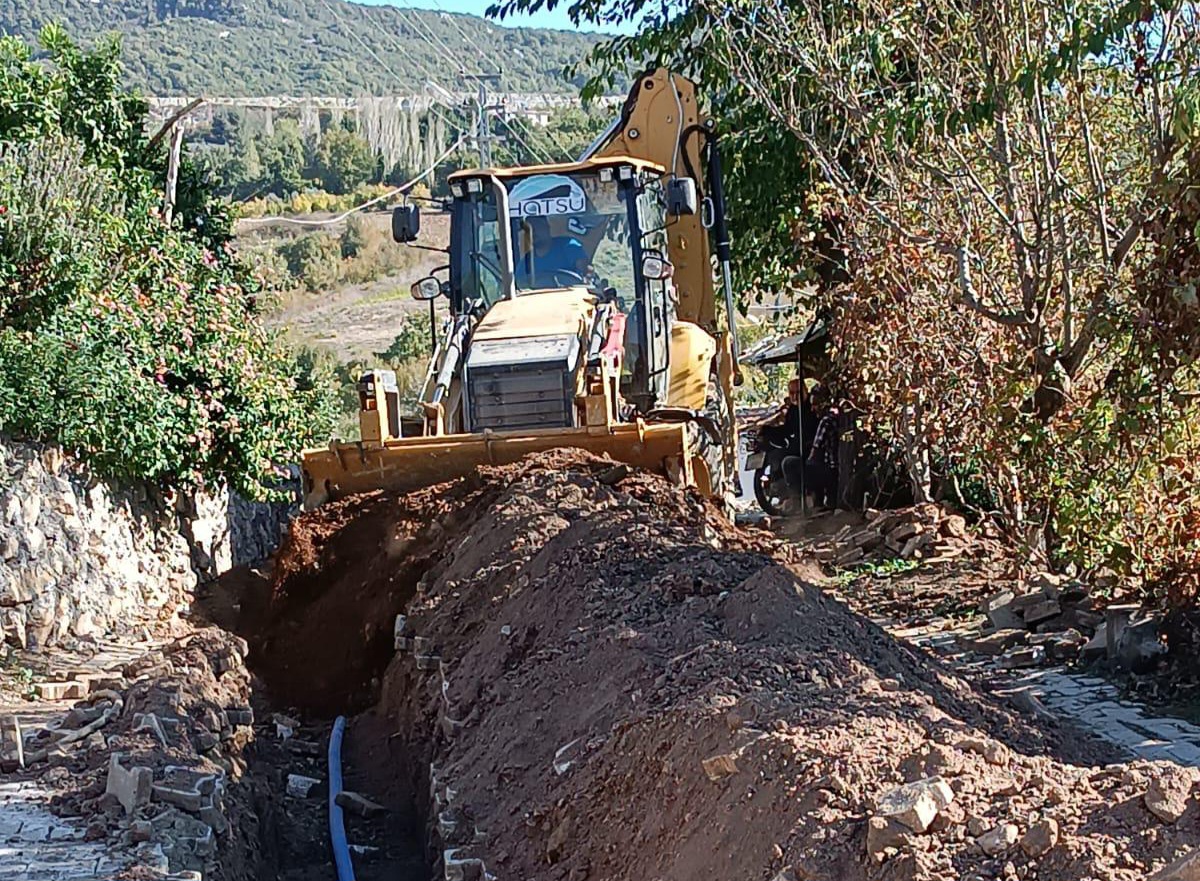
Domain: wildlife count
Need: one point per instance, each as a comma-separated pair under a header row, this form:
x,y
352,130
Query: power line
x,y
396,44
482,130
464,35
456,127
423,31
536,153
405,187
482,65
482,120
566,154
481,123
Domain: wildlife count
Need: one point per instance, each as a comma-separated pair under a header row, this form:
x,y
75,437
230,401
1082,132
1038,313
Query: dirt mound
x,y
610,681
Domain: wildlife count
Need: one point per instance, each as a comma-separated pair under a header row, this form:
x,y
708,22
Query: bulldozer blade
x,y
412,463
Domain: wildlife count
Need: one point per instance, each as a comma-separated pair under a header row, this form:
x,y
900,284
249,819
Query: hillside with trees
x,y
301,47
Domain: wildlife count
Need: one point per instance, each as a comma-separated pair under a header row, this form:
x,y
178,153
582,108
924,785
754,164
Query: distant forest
x,y
304,47
245,160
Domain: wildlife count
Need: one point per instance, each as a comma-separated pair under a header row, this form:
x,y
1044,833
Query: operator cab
x,y
600,226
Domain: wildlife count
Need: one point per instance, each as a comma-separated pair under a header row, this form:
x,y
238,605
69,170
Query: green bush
x,y
413,341
355,236
314,259
129,340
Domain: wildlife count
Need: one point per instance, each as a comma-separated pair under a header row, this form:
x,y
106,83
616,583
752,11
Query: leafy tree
x,y
131,341
1007,171
343,161
566,135
399,174
283,157
1000,192
252,165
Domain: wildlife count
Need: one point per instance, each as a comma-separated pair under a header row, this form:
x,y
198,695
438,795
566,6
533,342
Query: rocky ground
x,y
564,670
173,764
980,602
148,756
599,678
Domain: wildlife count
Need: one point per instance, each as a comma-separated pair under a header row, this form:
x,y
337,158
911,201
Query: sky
x,y
543,19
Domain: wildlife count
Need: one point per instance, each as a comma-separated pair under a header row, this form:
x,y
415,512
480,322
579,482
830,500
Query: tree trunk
x,y
916,453
850,482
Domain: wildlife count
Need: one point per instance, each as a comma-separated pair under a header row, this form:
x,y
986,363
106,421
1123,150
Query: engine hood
x,y
559,312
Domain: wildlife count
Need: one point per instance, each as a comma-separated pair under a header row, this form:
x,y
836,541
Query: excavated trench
x,y
598,677
320,630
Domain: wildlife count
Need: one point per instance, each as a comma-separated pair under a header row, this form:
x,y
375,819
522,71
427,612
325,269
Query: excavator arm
x,y
661,122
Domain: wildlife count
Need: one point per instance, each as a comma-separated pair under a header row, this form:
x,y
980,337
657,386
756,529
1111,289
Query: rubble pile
x,y
1056,619
149,752
925,532
601,678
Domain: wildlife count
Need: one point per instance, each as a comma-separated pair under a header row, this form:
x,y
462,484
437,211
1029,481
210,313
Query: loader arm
x,y
661,122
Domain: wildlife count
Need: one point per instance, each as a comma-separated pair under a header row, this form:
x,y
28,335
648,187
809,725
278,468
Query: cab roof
x,y
559,168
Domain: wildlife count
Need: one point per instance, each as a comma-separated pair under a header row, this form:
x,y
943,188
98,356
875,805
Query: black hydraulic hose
x,y
717,193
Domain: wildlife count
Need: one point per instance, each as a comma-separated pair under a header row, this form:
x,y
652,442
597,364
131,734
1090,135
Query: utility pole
x,y
484,108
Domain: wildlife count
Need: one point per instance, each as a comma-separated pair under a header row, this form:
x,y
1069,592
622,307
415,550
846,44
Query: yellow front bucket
x,y
414,462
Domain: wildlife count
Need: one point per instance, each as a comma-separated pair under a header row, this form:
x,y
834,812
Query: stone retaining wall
x,y
80,558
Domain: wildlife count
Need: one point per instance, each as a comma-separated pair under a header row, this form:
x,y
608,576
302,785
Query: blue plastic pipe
x,y
337,824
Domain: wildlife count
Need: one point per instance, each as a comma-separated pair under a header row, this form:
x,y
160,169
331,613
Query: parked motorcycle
x,y
764,458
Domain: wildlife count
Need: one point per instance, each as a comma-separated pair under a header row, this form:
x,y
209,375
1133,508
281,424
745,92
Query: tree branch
x,y
970,296
170,123
1128,239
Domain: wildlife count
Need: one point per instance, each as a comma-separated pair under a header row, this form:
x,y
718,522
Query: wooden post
x,y
803,452
174,126
173,171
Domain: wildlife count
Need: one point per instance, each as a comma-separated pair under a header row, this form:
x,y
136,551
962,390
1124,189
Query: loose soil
x,y
341,576
293,835
607,680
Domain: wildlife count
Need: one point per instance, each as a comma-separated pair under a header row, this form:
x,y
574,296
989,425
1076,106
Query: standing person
x,y
821,463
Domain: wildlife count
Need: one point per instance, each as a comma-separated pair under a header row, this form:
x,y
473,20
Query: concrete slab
x,y
1169,729
1092,703
1185,754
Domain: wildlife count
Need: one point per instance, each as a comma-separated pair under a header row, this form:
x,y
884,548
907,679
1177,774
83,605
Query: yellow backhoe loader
x,y
583,313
